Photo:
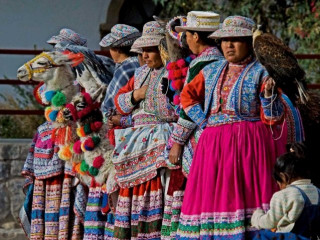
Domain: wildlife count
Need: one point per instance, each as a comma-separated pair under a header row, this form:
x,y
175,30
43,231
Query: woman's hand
x,y
175,153
115,120
269,85
140,94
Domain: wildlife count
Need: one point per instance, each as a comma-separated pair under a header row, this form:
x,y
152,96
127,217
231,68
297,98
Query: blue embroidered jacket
x,y
244,98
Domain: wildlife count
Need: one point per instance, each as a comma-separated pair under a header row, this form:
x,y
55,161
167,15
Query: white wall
x,y
28,23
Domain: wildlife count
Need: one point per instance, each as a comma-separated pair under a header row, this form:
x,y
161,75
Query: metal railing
x,y
105,53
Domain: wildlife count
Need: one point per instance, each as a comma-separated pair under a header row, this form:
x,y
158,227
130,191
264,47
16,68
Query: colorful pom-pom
x,y
184,71
181,63
88,144
171,75
80,132
96,140
176,99
84,166
49,95
171,66
87,128
47,111
95,126
98,161
53,115
178,84
76,167
93,171
77,147
177,74
188,59
59,99
172,86
65,153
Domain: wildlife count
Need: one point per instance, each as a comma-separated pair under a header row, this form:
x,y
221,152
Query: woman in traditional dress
x,y
138,152
199,25
234,101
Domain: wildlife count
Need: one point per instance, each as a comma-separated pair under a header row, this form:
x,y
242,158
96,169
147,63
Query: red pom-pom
x,y
171,75
89,144
177,74
171,66
95,126
176,99
98,161
173,86
77,147
181,63
178,84
184,71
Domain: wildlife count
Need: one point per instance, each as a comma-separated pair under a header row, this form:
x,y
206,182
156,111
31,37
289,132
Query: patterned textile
x,y
122,74
139,211
94,223
173,203
235,26
152,33
200,21
69,36
155,107
109,226
121,35
65,211
138,153
45,208
294,122
42,161
223,208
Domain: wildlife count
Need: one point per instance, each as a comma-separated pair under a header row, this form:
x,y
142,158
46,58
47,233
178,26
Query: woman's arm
x,y
122,99
192,97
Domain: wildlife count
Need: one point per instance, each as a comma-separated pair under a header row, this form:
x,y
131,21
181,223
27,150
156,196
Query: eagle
x,y
281,64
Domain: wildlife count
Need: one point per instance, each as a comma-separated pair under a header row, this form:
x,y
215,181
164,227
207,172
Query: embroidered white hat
x,y
201,21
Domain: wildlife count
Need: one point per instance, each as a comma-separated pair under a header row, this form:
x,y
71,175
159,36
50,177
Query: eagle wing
x,y
280,63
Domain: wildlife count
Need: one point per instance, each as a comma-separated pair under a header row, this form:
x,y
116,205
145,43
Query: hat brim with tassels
x,y
231,32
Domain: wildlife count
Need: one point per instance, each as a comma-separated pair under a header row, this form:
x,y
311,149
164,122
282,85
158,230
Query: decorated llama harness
x,y
31,70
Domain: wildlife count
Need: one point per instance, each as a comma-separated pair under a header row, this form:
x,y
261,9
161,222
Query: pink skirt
x,y
230,177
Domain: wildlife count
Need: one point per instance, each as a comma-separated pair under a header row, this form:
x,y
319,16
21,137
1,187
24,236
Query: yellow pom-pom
x,y
65,153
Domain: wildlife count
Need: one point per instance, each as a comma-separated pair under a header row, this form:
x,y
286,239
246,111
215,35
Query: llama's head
x,y
47,65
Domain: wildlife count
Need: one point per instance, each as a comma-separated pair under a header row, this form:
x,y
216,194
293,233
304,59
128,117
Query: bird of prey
x,y
281,64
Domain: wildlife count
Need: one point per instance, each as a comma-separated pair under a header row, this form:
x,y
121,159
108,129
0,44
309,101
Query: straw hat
x,y
121,35
234,26
200,21
68,35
